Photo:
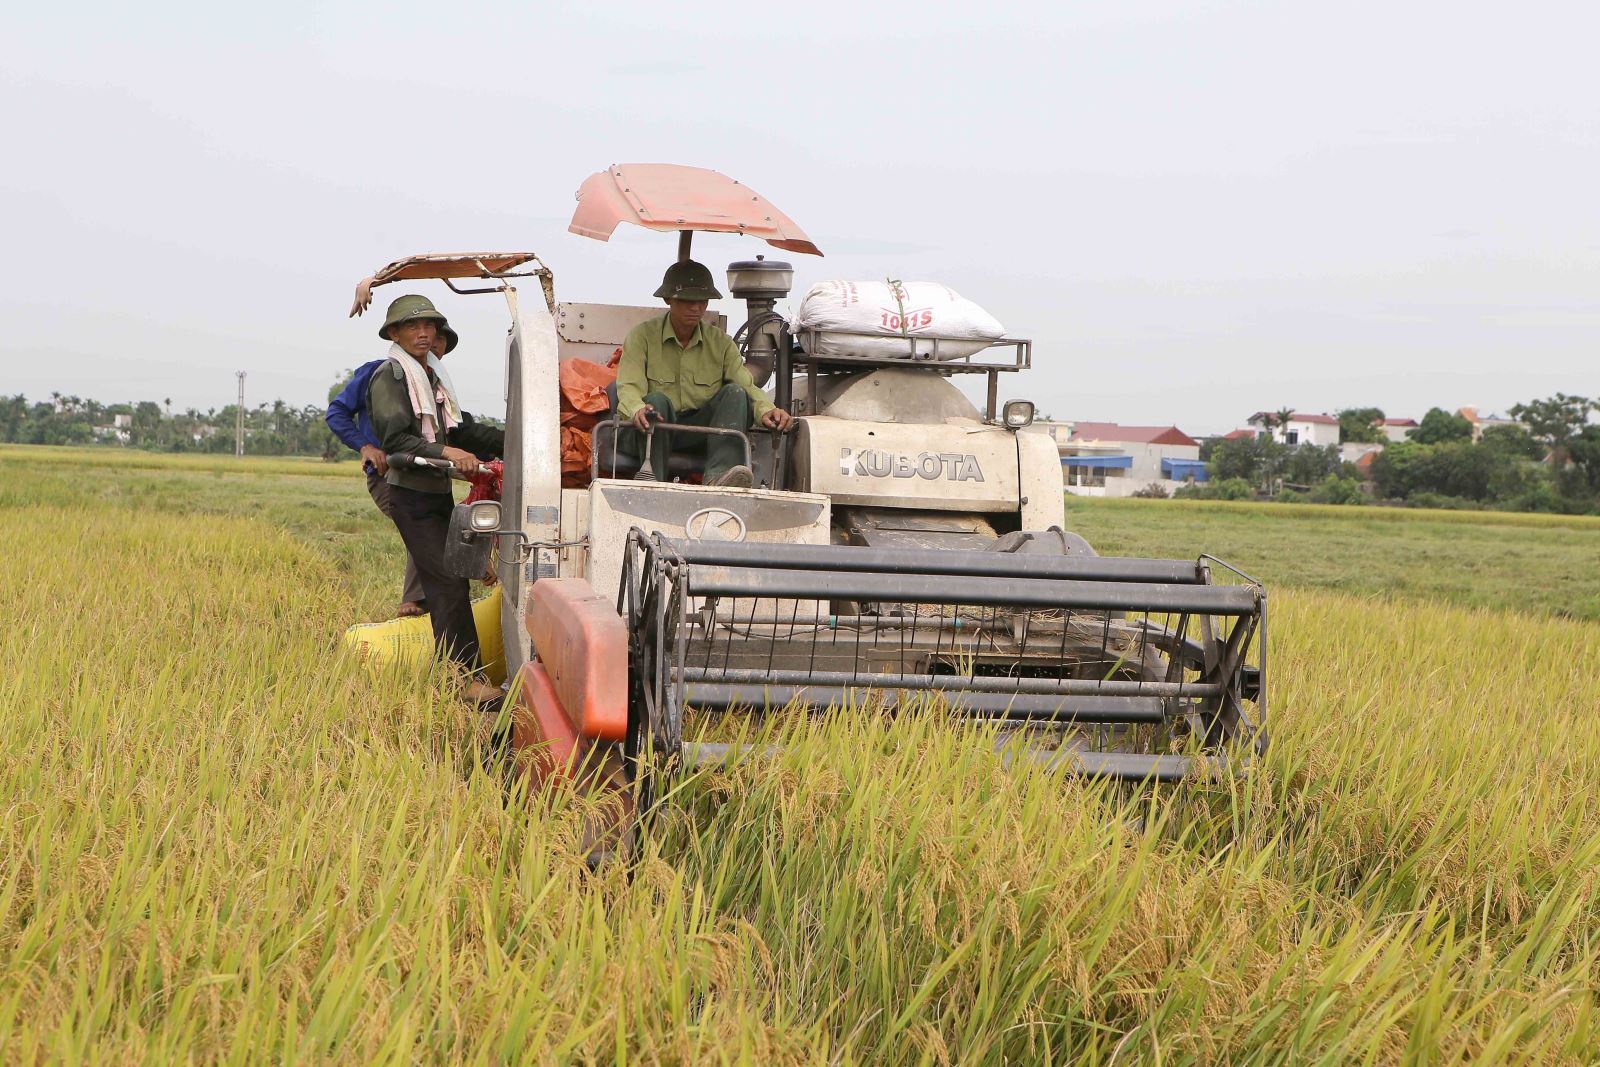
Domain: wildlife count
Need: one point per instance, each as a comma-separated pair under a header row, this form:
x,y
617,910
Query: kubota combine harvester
x,y
899,542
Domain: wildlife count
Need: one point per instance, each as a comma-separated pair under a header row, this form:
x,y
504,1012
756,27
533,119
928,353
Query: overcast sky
x,y
1196,209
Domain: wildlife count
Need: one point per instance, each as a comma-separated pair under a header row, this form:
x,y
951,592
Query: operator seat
x,y
689,457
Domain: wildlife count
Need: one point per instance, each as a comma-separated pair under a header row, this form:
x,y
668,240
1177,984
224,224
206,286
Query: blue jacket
x,y
347,412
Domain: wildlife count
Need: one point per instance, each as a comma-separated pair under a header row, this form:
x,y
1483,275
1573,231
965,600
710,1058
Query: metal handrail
x,y
1022,352
792,355
616,426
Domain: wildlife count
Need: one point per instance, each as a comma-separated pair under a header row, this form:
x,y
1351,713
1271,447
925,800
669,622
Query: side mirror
x,y
471,538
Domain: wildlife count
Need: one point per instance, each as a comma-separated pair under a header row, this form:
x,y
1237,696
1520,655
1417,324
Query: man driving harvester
x,y
681,369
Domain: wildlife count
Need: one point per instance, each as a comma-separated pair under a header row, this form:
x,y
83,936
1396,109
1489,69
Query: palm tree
x,y
1277,424
1284,416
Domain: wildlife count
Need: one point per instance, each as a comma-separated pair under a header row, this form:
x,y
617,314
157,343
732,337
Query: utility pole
x,y
238,419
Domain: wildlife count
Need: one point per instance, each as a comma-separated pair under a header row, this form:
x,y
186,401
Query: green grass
x,y
1506,561
1368,513
226,842
323,505
113,458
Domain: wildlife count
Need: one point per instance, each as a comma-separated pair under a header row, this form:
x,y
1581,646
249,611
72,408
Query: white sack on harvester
x,y
892,318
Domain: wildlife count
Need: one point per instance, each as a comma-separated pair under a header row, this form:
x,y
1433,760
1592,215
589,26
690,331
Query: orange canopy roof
x,y
452,265
669,197
445,265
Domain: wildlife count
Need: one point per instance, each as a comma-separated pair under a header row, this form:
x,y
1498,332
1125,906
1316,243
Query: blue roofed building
x,y
1109,459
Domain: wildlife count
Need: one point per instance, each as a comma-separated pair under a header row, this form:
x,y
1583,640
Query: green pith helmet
x,y
411,307
688,280
451,338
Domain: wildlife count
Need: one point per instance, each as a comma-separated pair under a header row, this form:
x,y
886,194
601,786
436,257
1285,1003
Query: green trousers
x,y
728,410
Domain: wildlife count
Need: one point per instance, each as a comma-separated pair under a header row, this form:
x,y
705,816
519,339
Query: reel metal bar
x,y
1012,707
1121,766
678,629
1227,718
970,683
850,558
1117,766
1032,592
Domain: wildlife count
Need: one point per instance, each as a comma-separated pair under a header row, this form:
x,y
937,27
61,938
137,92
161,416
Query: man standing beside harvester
x,y
348,419
414,411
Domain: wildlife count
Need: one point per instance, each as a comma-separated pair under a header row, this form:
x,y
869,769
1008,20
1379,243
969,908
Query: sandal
x,y
485,697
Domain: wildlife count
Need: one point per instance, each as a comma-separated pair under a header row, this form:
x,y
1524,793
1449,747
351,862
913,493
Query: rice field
x,y
226,842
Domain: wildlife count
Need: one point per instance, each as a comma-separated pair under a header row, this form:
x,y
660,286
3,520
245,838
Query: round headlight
x,y
486,516
1017,414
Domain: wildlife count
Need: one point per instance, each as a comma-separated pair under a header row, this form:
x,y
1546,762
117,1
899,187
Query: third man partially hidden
x,y
685,370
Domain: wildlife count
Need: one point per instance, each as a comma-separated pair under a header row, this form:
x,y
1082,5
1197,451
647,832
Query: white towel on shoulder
x,y
436,365
434,405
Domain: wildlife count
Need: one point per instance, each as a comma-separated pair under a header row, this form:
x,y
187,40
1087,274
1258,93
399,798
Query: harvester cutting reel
x,y
1133,669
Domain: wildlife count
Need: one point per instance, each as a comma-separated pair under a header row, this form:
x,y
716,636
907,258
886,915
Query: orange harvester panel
x,y
541,724
582,644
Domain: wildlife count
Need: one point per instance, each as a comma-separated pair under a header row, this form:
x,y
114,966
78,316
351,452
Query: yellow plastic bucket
x,y
410,641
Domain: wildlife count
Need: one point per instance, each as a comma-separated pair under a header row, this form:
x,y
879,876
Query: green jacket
x,y
654,362
398,430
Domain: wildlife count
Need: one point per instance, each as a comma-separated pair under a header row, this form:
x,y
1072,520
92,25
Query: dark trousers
x,y
423,520
411,592
728,410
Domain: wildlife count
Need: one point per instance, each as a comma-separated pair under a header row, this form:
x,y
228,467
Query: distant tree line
x,y
271,429
1244,468
1549,461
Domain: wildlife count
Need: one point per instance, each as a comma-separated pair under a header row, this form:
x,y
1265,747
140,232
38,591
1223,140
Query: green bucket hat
x,y
688,280
451,338
411,307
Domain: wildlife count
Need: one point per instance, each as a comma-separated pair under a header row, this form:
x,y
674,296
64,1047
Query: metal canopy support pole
x,y
531,496
782,374
684,238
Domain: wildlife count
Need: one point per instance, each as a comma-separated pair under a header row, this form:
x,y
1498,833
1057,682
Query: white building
x,y
1398,429
1356,451
1106,459
1303,428
1059,432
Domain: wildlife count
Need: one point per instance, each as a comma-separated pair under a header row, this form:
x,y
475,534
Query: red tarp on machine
x,y
583,404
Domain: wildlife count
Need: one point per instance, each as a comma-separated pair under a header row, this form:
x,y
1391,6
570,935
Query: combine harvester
x,y
899,542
